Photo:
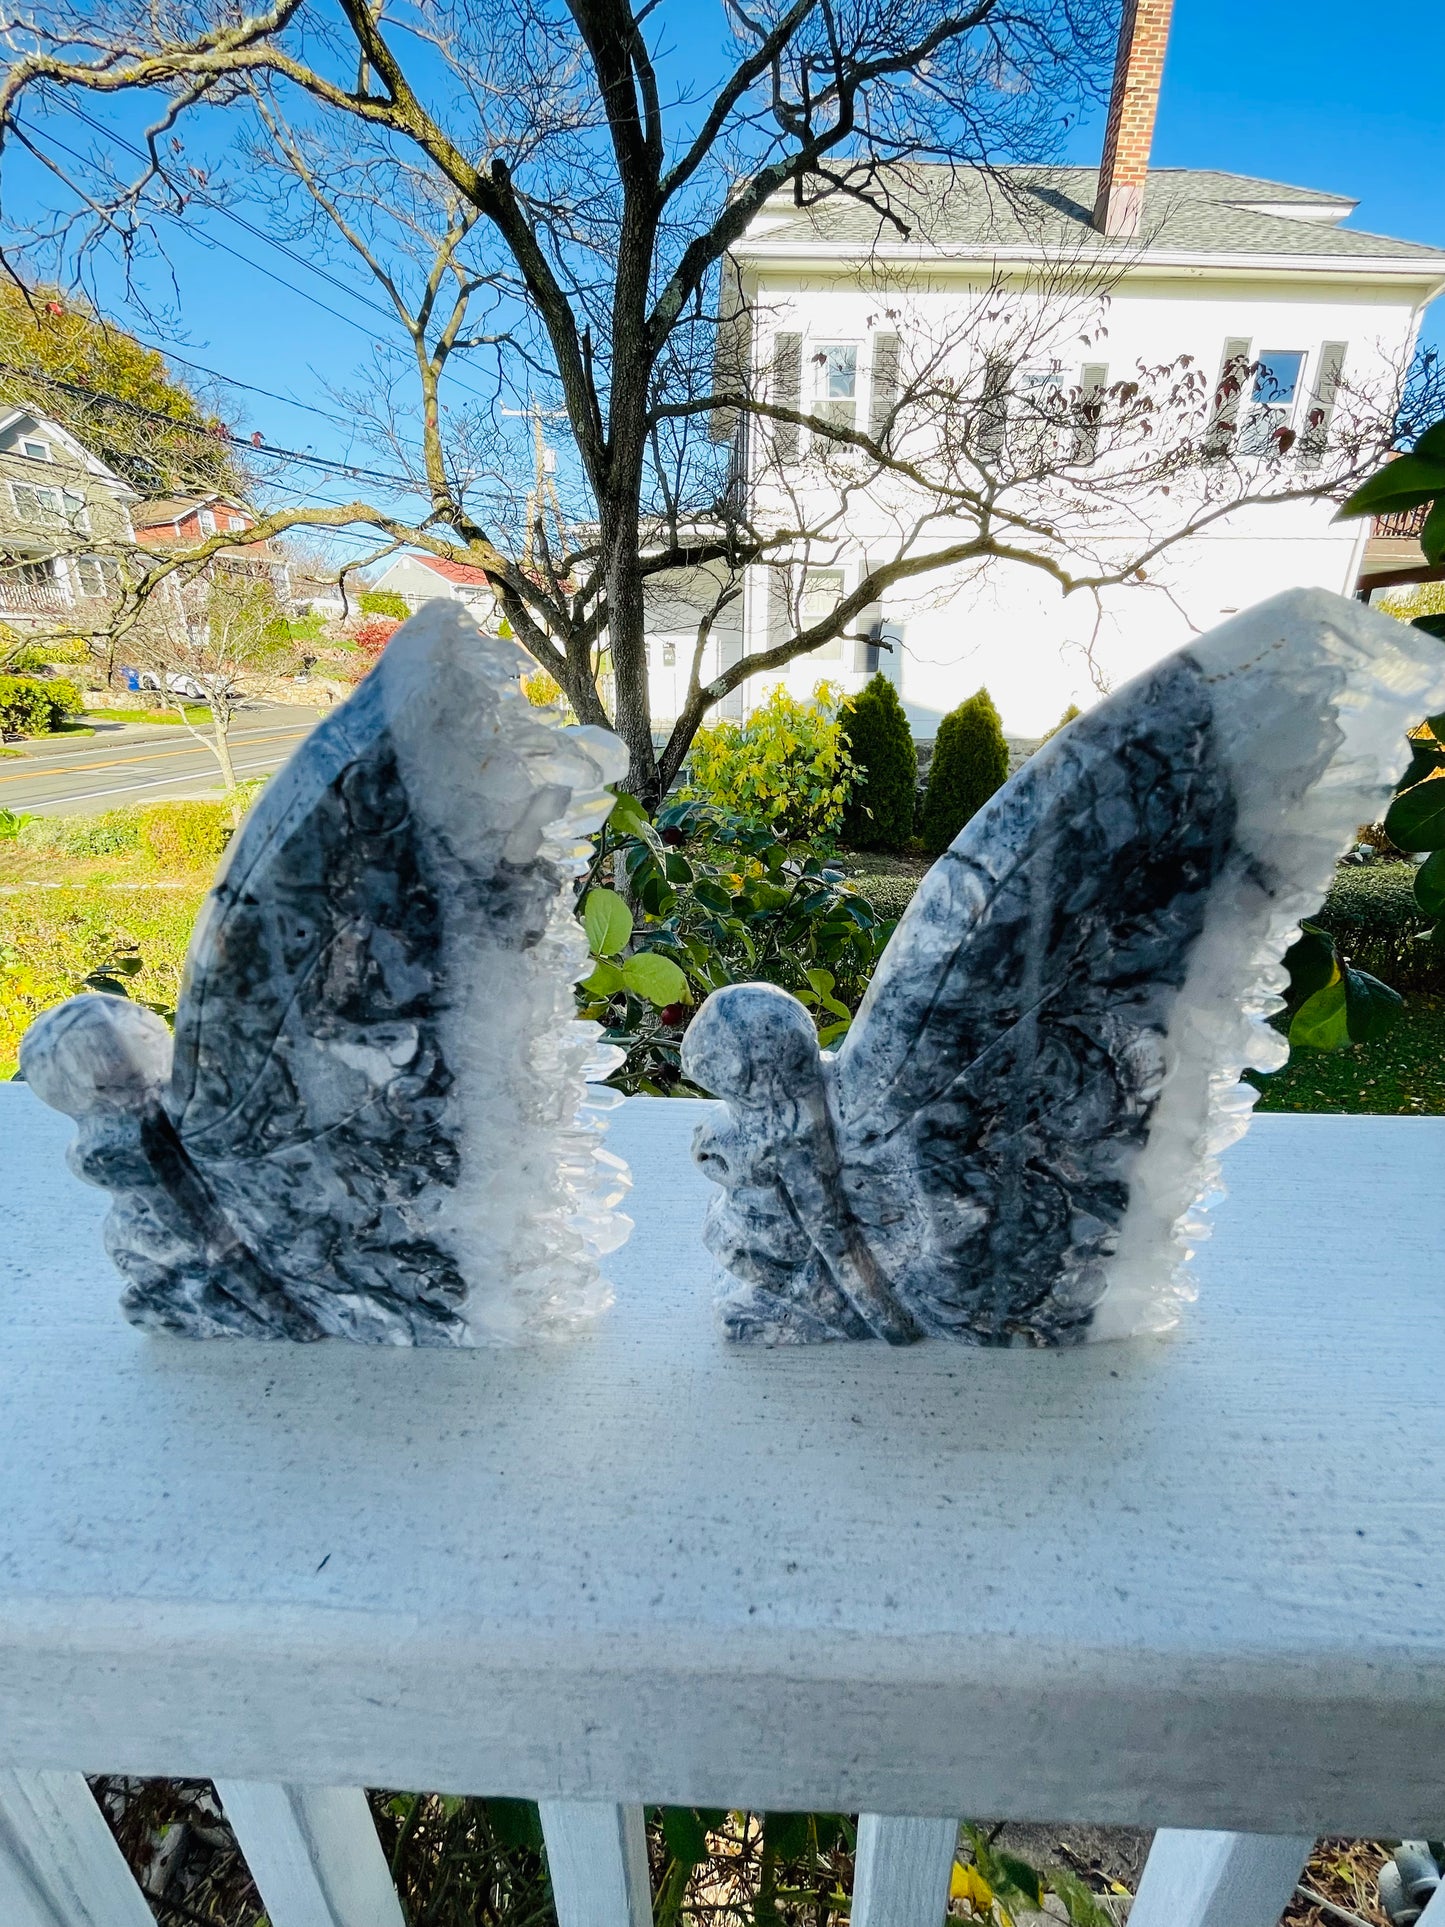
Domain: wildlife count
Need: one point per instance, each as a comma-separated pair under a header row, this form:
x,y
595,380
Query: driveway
x,y
132,763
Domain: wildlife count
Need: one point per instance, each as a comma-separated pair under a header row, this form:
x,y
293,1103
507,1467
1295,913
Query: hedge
x,y
1370,910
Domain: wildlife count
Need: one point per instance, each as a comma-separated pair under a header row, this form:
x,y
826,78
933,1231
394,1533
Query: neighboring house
x,y
422,578
1234,272
64,517
180,521
184,521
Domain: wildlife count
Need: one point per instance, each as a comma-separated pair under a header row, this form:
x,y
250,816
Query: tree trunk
x,y
627,635
221,742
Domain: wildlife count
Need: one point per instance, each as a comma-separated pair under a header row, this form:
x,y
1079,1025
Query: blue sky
x,y
1320,94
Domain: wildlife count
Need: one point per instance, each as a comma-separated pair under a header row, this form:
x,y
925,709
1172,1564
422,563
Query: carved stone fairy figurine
x,y
375,1123
1014,1142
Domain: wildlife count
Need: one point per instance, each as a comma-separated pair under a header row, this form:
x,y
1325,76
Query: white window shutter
x,y
787,392
1316,434
883,388
1228,394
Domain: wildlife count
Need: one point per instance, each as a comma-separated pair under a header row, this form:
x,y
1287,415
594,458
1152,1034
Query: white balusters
x,y
1218,1879
313,1854
902,1871
59,1863
597,1857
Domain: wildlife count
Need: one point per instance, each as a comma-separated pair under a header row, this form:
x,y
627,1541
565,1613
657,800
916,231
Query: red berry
x,y
672,1014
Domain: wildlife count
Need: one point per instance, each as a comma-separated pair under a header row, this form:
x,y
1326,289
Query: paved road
x,y
123,763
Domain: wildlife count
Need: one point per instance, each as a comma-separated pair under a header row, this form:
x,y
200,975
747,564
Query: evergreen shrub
x,y
878,814
970,762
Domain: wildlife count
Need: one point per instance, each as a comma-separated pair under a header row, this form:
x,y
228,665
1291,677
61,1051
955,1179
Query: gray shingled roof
x,y
1186,211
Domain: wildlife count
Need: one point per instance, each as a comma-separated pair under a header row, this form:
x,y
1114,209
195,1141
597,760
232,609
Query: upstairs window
x,y
207,520
836,398
37,451
1272,400
49,505
1039,409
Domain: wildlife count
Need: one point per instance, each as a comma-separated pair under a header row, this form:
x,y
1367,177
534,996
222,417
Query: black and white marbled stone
x,y
1012,1143
372,1125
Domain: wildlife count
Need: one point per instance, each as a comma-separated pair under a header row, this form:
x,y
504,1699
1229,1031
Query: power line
x,y
350,470
281,247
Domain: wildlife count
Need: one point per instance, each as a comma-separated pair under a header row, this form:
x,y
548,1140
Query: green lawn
x,y
195,713
1403,1075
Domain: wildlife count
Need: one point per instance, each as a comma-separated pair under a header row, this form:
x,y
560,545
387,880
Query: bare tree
x,y
547,201
198,642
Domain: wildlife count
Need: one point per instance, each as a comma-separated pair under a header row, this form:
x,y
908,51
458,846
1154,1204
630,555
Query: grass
x,y
1402,1075
195,713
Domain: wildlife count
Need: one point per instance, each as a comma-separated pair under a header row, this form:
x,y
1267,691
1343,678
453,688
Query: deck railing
x,y
1196,1583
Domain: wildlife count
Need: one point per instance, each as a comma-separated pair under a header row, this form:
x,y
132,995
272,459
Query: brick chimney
x,y
1138,70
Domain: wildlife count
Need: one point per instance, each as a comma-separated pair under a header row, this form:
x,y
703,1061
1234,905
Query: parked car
x,y
186,686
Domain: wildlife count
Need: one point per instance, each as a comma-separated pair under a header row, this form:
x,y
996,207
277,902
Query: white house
x,y
1107,273
421,578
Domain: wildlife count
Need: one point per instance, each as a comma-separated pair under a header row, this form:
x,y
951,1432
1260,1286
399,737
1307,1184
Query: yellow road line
x,y
84,767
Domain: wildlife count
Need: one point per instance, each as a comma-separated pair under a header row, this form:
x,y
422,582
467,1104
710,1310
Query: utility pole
x,y
542,496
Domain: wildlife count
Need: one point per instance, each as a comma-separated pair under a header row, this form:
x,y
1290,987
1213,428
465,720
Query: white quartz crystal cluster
x,y
379,1121
1312,695
1017,1142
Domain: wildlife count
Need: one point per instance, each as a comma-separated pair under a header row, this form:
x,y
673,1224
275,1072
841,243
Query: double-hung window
x,y
1273,398
836,388
49,505
97,574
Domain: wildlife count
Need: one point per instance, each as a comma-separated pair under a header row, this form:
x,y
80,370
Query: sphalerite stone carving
x,y
376,1121
1016,1141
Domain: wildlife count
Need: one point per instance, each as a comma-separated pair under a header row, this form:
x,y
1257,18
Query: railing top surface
x,y
1197,1580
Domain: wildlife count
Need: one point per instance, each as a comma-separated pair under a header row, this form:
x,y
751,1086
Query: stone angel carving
x,y
1016,1141
375,1121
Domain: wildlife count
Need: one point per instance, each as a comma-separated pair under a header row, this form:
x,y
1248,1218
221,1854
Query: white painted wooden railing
x,y
1196,1584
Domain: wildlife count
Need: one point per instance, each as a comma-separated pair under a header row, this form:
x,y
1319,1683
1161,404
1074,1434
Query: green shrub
x,y
890,896
112,833
186,836
1372,914
713,899
970,762
32,706
384,602
51,940
1071,714
878,814
786,767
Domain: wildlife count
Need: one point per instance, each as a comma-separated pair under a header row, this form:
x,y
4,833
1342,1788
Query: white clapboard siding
x,y
902,1871
313,1854
1218,1879
597,1859
59,1863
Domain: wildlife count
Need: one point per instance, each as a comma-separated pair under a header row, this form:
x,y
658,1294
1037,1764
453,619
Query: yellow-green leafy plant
x,y
787,765
37,706
186,836
542,690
